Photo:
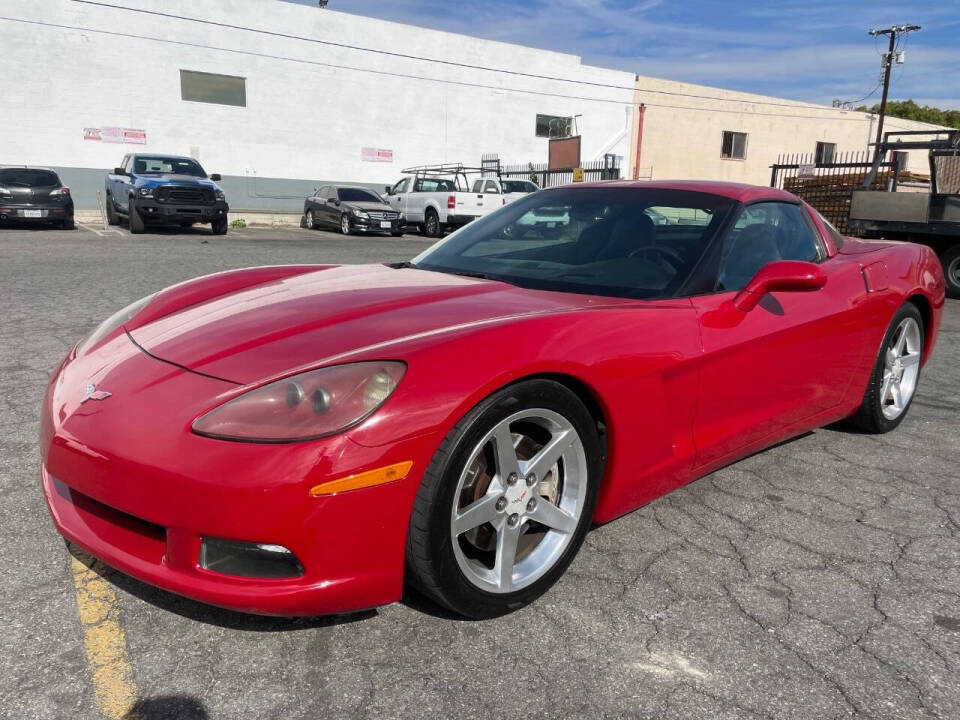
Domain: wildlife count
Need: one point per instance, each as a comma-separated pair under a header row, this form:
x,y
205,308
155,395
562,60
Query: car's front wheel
x,y
896,373
219,226
951,270
137,226
345,224
507,500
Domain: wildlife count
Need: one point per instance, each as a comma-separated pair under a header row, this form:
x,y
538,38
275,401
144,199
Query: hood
x,y
364,205
332,315
173,179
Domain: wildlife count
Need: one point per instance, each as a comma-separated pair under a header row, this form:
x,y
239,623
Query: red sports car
x,y
304,439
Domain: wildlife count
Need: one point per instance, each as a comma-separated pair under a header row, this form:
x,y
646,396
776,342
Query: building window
x,y
551,126
210,88
734,146
825,153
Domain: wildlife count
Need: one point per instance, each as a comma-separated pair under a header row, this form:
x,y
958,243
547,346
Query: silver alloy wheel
x,y
901,367
345,224
519,500
310,225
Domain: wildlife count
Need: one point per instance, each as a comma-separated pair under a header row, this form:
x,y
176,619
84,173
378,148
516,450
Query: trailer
x,y
929,218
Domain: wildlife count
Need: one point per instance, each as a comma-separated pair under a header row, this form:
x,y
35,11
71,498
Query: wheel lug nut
x,y
531,505
501,504
512,479
513,520
531,479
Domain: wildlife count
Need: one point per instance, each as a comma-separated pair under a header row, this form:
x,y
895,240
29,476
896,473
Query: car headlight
x,y
119,318
360,213
146,192
220,195
307,406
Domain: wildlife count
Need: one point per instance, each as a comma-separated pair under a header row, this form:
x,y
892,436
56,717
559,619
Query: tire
x,y
219,226
462,569
112,217
68,224
431,224
895,375
345,224
137,226
310,222
951,270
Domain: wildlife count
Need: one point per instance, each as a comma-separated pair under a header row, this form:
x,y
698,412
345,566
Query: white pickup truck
x,y
440,198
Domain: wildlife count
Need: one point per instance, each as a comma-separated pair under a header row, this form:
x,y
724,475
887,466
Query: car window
x,y
589,240
491,187
764,233
126,163
518,186
434,185
25,177
478,186
357,195
146,165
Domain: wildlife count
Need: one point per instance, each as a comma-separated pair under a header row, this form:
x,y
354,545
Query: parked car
x,y
299,440
508,190
351,209
438,198
34,195
149,189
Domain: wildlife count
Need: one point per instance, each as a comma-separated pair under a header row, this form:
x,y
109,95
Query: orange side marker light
x,y
380,476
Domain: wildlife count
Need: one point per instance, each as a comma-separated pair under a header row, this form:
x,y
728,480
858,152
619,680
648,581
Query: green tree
x,y
909,110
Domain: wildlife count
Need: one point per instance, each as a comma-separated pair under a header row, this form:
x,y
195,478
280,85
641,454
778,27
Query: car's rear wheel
x,y
137,226
68,224
951,270
431,224
896,373
507,500
309,221
345,224
112,217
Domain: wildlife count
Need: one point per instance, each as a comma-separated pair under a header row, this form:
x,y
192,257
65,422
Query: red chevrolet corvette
x,y
304,439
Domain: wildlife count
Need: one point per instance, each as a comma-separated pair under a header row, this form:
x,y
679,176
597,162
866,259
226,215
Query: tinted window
x,y
518,186
28,178
592,240
765,233
212,88
434,185
144,165
357,195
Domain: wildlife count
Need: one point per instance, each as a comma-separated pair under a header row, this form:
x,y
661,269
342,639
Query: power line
x,y
894,32
409,76
451,63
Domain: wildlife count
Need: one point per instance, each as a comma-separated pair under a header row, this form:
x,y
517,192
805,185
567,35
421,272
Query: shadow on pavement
x,y
168,707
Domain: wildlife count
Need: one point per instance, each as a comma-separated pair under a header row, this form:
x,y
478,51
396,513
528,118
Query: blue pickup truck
x,y
164,190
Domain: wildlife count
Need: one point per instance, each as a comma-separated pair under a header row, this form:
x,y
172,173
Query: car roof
x,y
27,167
164,155
735,191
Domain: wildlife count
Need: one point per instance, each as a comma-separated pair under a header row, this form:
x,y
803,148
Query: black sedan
x,y
34,195
352,209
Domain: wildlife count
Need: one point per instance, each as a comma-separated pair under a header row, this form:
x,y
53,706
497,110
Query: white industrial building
x,y
279,97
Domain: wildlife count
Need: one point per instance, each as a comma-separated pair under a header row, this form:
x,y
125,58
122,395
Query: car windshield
x,y
23,177
518,186
167,166
622,242
357,195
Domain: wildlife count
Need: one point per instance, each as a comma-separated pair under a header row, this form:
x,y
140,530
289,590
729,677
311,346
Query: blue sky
x,y
813,50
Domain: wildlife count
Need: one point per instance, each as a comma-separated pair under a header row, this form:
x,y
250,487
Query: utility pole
x,y
893,32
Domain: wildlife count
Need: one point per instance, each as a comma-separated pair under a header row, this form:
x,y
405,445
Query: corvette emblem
x,y
90,392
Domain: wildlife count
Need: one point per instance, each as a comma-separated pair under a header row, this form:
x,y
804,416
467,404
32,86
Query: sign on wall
x,y
368,154
120,136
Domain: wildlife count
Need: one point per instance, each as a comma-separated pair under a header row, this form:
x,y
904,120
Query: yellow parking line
x,y
114,689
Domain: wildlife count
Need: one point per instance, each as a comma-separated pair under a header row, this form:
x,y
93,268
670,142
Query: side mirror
x,y
336,201
388,190
119,171
780,276
216,177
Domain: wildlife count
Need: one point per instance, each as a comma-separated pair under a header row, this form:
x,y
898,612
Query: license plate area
x,y
31,213
386,224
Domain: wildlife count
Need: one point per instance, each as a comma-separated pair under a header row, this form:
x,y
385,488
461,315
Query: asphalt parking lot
x,y
819,579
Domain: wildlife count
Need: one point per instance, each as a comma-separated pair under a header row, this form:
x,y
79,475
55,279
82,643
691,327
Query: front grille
x,y
378,215
184,195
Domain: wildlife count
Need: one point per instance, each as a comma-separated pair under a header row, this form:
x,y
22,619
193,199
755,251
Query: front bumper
x,y
154,211
125,479
376,225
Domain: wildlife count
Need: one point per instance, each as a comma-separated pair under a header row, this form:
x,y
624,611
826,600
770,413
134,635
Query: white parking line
x,y
90,229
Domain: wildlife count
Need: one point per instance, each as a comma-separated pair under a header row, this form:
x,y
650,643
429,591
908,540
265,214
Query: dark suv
x,y
34,195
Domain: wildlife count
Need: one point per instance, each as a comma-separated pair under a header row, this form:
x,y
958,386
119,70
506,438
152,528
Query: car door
x,y
120,184
397,197
790,360
331,211
415,199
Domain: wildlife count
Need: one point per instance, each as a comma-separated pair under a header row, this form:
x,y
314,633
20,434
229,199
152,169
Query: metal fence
x,y
542,175
829,186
